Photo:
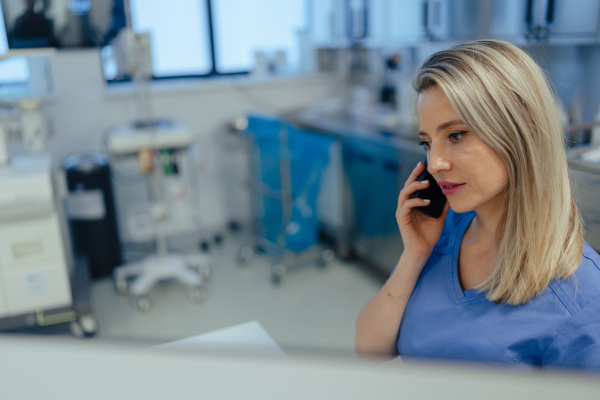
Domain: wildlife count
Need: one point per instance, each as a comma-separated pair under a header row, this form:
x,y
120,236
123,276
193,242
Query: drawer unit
x,y
33,269
29,241
35,286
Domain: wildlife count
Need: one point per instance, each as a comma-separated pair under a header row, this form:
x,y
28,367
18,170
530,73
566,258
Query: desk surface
x,y
58,369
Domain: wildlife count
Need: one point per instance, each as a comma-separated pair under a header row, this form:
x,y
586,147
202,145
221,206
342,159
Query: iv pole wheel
x,y
142,303
325,258
245,254
198,294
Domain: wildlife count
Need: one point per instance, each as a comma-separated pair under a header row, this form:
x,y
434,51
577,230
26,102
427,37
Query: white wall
x,y
83,108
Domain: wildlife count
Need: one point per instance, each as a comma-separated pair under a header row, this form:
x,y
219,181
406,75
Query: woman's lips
x,y
449,188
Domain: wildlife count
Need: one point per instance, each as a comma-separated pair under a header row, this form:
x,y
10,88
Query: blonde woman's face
x,y
471,174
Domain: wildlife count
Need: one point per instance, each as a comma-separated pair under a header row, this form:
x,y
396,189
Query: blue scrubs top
x,y
559,328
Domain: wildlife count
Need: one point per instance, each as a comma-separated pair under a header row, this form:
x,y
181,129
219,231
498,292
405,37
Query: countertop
x,y
402,137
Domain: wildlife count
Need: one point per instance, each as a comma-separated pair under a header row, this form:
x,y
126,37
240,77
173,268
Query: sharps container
x,y
90,209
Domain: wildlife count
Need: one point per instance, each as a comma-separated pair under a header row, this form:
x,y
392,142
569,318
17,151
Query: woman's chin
x,y
459,208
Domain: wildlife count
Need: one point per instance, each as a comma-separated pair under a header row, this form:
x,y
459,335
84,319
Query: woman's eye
x,y
425,144
456,136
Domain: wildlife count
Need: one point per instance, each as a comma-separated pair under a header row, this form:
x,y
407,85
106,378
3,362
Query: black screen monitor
x,y
62,23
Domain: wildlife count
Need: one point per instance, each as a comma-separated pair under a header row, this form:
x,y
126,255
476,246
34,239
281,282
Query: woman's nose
x,y
437,160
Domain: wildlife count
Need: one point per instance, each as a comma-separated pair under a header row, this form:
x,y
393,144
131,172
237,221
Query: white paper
x,y
246,338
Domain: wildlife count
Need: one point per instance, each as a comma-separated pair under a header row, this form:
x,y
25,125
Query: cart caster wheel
x,y
80,329
89,324
199,294
76,329
122,285
245,254
279,270
275,279
325,258
142,303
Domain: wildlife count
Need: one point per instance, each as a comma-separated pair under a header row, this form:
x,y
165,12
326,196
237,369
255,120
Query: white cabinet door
x,y
327,21
30,240
405,20
576,18
508,20
37,286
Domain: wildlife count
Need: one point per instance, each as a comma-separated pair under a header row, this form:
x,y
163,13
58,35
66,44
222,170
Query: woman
x,y
503,276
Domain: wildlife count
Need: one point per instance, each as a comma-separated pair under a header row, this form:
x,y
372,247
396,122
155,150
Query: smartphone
x,y
432,192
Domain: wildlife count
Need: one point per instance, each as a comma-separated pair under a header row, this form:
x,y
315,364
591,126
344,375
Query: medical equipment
x,y
156,143
161,218
285,172
91,212
35,255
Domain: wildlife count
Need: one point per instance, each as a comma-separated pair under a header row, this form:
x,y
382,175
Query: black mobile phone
x,y
432,192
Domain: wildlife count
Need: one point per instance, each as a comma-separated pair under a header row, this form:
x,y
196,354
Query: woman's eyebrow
x,y
449,124
443,126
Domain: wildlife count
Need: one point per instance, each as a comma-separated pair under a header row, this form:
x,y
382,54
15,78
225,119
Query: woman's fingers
x,y
412,203
408,205
415,172
410,189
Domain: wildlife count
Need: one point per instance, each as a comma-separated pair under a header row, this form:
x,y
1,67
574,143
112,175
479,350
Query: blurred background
x,y
171,168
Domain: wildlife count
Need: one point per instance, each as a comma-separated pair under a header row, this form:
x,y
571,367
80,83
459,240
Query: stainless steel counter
x,y
404,138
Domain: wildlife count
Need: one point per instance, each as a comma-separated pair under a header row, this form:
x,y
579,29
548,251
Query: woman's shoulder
x,y
583,287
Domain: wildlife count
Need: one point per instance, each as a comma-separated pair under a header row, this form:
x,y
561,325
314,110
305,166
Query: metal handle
x,y
550,12
529,13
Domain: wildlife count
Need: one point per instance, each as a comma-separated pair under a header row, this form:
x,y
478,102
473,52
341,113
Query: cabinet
x,y
376,174
554,21
327,21
33,268
564,20
393,22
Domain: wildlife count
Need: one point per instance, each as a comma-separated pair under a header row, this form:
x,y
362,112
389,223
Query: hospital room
x,y
300,198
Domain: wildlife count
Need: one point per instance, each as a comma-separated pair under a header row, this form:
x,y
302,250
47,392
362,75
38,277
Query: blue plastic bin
x,y
309,155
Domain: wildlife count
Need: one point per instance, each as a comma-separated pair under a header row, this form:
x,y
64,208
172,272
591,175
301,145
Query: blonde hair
x,y
503,96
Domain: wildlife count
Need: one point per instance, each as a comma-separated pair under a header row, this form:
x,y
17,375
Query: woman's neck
x,y
484,226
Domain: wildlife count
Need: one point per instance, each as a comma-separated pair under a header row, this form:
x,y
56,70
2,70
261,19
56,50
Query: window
x,y
14,77
215,37
179,34
243,27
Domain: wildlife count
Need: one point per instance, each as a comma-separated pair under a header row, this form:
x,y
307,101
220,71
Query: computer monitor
x,y
34,24
3,38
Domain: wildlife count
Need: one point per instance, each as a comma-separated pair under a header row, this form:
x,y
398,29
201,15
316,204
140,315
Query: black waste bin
x,y
91,212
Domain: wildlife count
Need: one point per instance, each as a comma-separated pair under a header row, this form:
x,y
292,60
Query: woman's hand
x,y
419,232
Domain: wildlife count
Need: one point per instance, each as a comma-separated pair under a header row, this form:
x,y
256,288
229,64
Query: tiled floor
x,y
312,309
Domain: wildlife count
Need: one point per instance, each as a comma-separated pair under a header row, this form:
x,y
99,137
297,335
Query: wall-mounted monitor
x,y
61,23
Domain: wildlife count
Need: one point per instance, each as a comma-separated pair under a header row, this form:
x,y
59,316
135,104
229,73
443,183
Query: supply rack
x,y
284,166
